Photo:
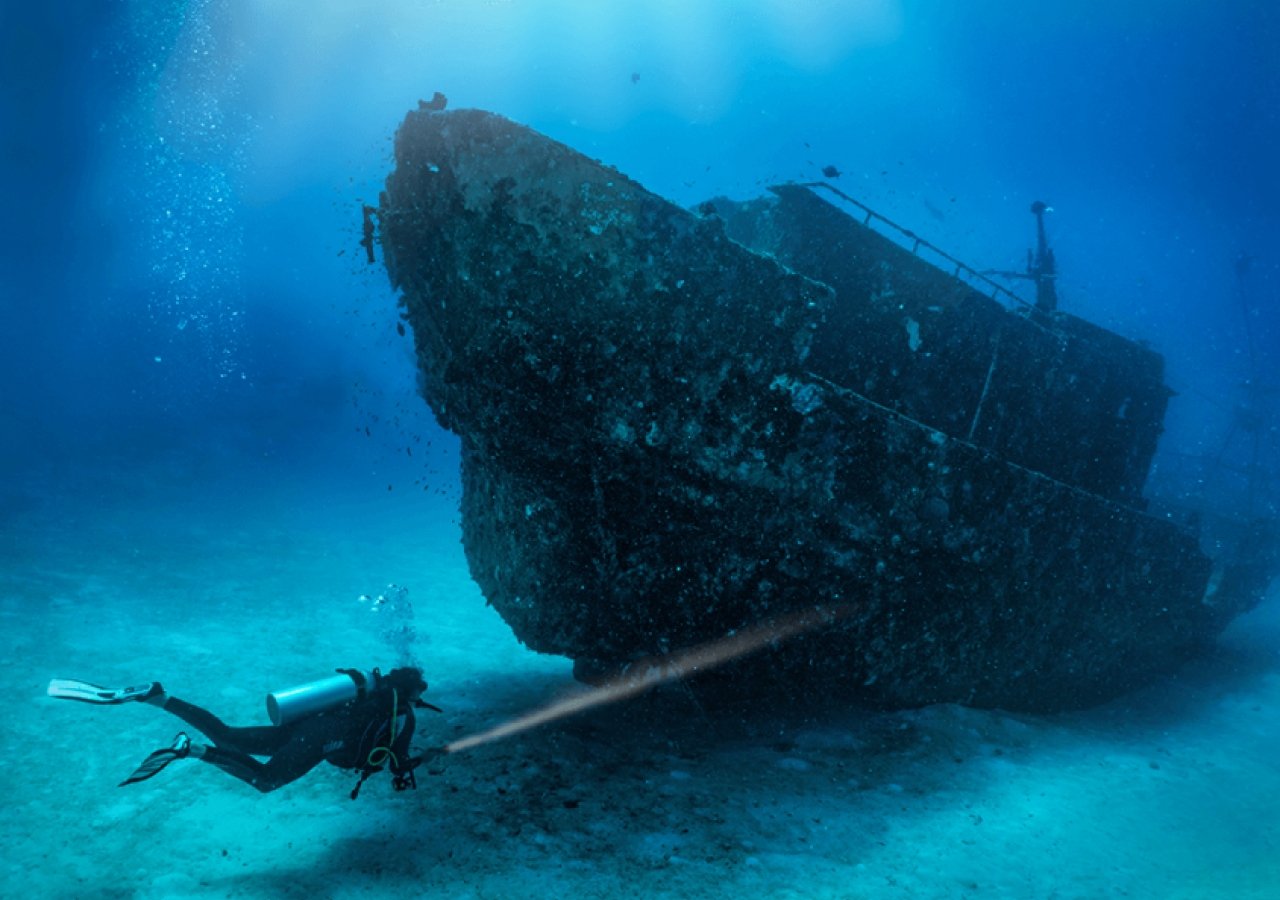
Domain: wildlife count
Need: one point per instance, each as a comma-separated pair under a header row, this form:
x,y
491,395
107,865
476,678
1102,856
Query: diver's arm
x,y
400,746
402,764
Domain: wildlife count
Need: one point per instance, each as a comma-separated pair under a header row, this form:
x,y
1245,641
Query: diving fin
x,y
66,689
158,759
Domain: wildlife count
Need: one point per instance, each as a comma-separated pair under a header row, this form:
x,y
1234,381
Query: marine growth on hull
x,y
676,426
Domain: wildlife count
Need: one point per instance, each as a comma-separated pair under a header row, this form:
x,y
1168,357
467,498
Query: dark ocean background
x,y
202,381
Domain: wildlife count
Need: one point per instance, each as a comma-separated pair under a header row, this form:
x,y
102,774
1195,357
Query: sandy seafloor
x,y
249,582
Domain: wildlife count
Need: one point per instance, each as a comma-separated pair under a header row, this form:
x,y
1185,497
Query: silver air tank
x,y
295,703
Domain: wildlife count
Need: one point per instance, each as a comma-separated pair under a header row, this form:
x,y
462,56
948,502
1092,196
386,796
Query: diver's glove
x,y
404,778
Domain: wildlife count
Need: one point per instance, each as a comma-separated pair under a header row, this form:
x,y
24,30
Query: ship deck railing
x,y
958,268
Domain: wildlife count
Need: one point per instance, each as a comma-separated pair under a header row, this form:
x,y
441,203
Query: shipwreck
x,y
676,424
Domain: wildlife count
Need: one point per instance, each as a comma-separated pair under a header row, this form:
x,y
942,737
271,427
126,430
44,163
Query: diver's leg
x,y
295,759
258,740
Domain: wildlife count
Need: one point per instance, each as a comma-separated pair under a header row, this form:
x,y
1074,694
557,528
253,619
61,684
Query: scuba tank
x,y
292,704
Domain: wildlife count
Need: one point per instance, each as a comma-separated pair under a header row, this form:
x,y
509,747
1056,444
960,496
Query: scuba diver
x,y
367,229
353,720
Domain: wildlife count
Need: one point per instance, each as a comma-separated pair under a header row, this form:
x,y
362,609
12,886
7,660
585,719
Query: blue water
x,y
211,441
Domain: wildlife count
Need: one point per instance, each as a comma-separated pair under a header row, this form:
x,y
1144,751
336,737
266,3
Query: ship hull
x,y
653,457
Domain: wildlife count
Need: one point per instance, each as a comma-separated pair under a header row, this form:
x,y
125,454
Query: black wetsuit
x,y
349,736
